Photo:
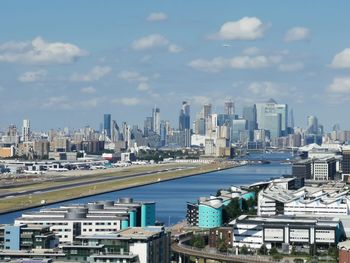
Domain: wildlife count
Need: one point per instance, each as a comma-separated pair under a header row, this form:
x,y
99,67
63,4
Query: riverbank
x,y
12,204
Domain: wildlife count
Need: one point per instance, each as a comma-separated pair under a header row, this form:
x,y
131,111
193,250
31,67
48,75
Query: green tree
x,y
273,251
244,250
232,210
262,250
333,252
221,245
197,241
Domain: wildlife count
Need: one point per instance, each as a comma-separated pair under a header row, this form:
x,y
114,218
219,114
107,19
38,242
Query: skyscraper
x,y
229,107
26,130
184,118
312,125
147,128
156,120
249,114
206,110
268,119
291,118
107,124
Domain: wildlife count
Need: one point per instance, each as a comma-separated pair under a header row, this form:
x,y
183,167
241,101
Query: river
x,y
171,196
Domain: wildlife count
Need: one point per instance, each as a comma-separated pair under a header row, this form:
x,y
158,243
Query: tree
x,y
333,252
273,251
262,250
221,245
244,250
197,241
232,210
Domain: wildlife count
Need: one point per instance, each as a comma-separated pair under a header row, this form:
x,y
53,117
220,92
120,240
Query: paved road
x,y
91,182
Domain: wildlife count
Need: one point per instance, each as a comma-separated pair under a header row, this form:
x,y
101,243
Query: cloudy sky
x,y
65,63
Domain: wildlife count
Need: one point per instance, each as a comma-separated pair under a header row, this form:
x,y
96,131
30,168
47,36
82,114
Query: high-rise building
x,y
312,125
164,130
147,128
249,114
184,118
291,118
107,124
229,107
271,115
206,110
26,130
115,136
156,120
238,128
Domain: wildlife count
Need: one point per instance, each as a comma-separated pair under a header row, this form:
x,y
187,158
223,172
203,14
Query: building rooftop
x,y
142,233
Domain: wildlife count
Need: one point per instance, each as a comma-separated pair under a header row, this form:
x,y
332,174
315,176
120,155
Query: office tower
x,y
267,117
164,130
184,118
291,118
312,125
147,128
116,136
107,124
274,123
238,127
26,130
156,120
229,107
206,110
199,126
249,114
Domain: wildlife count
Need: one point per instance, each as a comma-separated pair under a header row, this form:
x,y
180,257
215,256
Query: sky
x,y
66,63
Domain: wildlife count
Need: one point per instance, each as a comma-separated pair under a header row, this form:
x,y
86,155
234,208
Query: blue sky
x,y
65,63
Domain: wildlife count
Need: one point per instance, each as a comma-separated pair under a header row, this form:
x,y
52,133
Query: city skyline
x,y
60,67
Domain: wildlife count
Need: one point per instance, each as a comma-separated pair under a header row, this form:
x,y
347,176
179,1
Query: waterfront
x,y
171,196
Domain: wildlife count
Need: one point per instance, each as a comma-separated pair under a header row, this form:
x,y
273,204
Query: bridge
x,y
184,252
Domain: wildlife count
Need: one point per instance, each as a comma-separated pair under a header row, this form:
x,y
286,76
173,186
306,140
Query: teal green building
x,y
210,213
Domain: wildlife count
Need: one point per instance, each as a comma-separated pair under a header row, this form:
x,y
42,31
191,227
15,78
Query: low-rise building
x,y
254,231
70,221
26,237
149,244
139,244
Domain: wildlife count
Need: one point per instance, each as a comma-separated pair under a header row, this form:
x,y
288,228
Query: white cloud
x,y
149,42
239,62
342,59
92,103
32,76
297,34
200,100
264,89
292,67
251,51
132,76
340,85
38,51
247,28
154,41
174,48
88,90
157,16
127,101
143,86
57,103
94,74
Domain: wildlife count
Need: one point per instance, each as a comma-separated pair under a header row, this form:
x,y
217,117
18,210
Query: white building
x,y
69,221
326,201
26,130
254,231
324,169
